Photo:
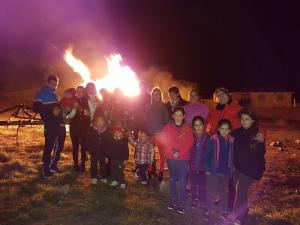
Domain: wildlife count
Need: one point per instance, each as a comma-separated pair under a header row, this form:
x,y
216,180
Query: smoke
x,y
163,79
34,35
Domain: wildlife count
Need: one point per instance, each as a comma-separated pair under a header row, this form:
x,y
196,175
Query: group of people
x,y
218,152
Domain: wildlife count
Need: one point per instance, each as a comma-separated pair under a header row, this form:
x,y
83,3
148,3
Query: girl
x,y
79,125
97,143
196,166
218,162
195,107
143,155
118,154
93,100
157,116
249,162
178,140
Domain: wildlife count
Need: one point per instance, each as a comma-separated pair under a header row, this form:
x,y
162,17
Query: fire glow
x,y
117,76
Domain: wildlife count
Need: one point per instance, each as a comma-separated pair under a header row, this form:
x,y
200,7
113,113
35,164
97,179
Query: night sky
x,y
238,44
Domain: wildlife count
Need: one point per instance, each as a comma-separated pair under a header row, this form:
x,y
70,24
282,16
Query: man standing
x,y
46,103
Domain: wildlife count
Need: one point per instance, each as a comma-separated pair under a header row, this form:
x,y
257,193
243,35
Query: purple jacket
x,y
192,110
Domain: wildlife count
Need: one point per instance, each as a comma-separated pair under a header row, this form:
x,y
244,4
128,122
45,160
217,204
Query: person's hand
x,y
260,137
106,160
175,155
207,173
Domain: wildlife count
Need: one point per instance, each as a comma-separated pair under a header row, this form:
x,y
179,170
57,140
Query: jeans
x,y
78,140
242,183
178,172
54,144
217,189
94,167
117,173
198,179
142,169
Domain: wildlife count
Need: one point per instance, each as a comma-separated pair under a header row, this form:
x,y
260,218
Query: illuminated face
x,y
222,97
143,136
198,126
91,90
224,130
99,122
119,135
246,121
52,84
178,117
156,97
80,92
173,96
194,97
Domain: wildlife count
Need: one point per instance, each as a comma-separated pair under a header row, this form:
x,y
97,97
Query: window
x,y
261,97
279,98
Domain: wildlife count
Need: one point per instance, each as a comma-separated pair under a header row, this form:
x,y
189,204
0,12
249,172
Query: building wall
x,y
264,99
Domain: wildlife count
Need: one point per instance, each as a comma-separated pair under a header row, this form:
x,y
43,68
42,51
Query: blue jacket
x,y
44,101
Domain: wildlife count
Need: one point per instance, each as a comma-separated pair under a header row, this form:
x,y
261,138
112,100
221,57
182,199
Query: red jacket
x,y
230,112
177,138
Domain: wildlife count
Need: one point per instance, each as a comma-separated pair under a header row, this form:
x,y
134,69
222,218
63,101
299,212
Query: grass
x,y
28,199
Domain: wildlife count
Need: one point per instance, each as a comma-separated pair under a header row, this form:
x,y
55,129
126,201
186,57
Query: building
x,y
265,98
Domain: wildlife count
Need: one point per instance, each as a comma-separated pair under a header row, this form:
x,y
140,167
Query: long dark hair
x,y
249,112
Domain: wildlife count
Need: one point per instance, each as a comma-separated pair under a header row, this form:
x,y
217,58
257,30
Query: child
x,y
218,162
69,100
178,140
97,143
249,161
144,154
196,166
55,135
119,154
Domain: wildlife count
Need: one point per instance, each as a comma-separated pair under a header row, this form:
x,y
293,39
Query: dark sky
x,y
239,44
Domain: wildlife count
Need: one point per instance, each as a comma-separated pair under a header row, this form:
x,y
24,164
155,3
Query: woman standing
x,y
79,124
157,116
195,107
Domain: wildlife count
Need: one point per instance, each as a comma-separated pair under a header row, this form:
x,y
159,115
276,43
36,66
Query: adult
x,y
175,100
46,104
93,100
157,116
143,100
79,124
226,109
195,107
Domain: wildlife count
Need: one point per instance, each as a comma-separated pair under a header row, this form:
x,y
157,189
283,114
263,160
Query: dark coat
x,y
248,153
181,103
118,149
97,143
80,123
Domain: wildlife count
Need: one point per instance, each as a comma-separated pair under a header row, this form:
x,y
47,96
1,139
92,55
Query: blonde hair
x,y
161,94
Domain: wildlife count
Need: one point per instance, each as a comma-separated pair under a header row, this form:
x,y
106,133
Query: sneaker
x,y
171,205
160,176
144,182
104,181
206,215
194,204
224,216
114,183
122,186
47,174
237,222
181,210
94,181
55,170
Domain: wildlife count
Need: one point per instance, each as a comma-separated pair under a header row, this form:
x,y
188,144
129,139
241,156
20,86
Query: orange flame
x,y
117,76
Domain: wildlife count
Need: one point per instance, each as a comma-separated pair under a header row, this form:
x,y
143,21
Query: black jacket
x,y
118,150
180,103
97,143
80,123
248,153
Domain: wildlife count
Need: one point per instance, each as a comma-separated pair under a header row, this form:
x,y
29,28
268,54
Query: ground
x,y
69,198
